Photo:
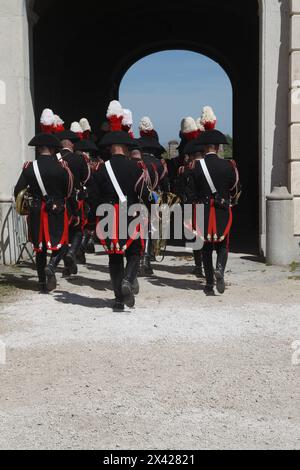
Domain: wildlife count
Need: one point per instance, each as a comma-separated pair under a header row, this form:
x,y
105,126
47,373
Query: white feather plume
x,y
75,127
208,115
85,125
146,124
114,109
127,118
58,120
200,125
188,125
47,117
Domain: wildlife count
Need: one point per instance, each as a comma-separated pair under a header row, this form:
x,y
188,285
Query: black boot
x,y
56,257
222,257
90,247
208,269
130,283
209,290
41,263
51,282
220,282
80,255
197,271
88,243
43,288
145,269
116,271
70,258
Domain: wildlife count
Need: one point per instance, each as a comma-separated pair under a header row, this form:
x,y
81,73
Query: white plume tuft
x,y
57,120
146,124
188,125
127,118
85,125
114,109
208,115
199,125
75,127
47,117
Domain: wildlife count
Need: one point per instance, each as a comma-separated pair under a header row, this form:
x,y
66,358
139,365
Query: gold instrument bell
x,y
23,202
159,245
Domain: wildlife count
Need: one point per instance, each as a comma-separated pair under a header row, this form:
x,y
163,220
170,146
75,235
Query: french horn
x,y
23,202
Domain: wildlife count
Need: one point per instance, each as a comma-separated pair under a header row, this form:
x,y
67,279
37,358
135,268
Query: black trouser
x,y
222,257
118,272
41,261
198,258
75,237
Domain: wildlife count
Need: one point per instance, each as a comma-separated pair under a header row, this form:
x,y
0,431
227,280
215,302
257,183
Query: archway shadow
x,y
76,299
96,284
176,283
254,259
22,282
180,270
96,267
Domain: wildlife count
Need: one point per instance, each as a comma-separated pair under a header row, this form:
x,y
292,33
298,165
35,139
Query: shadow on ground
x,y
98,285
176,283
20,281
76,299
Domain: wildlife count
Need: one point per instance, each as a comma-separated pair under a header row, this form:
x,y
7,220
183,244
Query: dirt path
x,y
180,371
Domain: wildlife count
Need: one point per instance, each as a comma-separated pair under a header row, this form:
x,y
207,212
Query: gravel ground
x,y
179,371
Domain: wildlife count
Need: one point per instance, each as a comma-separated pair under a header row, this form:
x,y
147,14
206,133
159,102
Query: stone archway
x,y
64,81
79,56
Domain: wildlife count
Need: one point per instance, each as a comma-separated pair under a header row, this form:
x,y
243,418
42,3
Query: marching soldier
x,y
81,172
193,152
211,183
117,181
87,149
151,151
49,183
120,181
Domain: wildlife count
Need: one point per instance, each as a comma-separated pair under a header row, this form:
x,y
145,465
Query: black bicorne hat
x,y
86,146
212,137
68,135
151,143
116,138
136,145
193,146
45,140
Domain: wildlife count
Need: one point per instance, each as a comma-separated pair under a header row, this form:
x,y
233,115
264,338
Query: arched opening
x,y
82,53
173,84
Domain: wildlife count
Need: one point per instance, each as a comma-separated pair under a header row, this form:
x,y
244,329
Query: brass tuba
x,y
160,245
23,202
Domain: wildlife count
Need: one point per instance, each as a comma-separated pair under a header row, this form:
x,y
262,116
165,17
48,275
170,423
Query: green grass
x,y
294,266
6,291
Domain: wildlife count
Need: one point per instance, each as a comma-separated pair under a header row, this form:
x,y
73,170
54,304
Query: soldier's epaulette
x,y
142,164
96,167
26,165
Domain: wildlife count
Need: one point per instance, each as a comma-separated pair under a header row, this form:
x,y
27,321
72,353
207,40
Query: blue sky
x,y
168,86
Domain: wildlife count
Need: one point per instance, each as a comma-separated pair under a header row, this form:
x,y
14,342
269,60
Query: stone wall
x,y
294,124
16,109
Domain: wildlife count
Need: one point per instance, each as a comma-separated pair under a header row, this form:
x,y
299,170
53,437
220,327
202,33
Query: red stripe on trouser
x,y
211,220
227,230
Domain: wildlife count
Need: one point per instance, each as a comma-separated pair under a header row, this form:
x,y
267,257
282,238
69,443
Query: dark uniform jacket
x,y
217,218
47,220
127,174
78,166
155,164
81,173
129,177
